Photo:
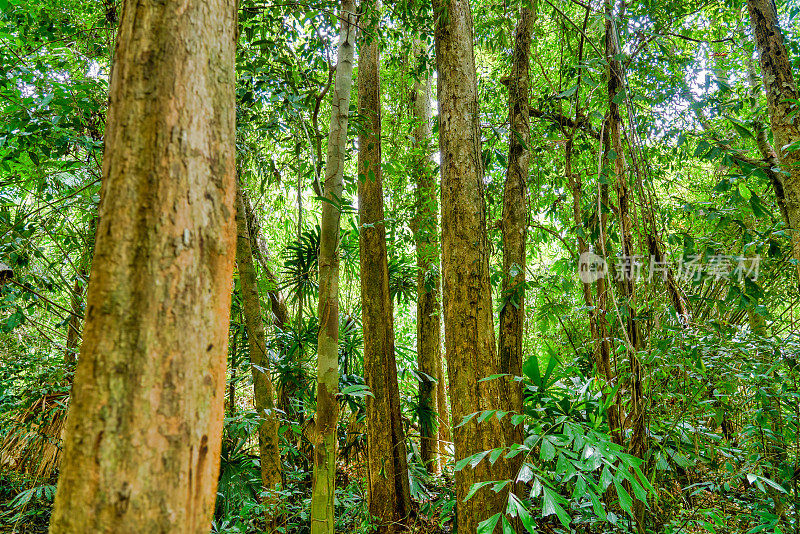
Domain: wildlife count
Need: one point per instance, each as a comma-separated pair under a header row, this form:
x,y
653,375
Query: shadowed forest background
x,y
461,266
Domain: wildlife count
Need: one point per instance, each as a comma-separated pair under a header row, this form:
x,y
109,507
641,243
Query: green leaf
x,y
568,93
356,390
625,500
548,450
550,505
752,478
495,454
498,487
472,461
741,129
597,506
475,488
744,191
487,526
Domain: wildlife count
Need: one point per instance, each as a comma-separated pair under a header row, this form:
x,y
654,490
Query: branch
x,y
565,122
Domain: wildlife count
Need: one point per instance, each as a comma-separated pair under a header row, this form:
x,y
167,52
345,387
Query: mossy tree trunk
x,y
468,321
426,239
782,95
514,223
264,394
388,492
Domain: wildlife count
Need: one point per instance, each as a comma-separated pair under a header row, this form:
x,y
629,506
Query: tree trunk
x,y
781,90
280,313
515,214
264,395
443,422
143,434
603,286
638,443
75,317
770,158
388,493
324,435
426,238
469,330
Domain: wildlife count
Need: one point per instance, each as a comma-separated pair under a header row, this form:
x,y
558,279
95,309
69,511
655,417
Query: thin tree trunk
x,y
287,388
280,312
602,286
469,330
264,395
324,435
638,443
781,90
426,237
231,408
143,434
444,424
770,158
515,213
388,493
75,318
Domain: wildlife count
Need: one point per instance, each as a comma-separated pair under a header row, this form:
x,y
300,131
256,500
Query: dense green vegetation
x,y
695,425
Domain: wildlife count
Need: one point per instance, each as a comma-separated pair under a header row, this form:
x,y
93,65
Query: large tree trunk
x,y
142,443
388,492
515,213
469,331
324,435
781,90
264,395
426,238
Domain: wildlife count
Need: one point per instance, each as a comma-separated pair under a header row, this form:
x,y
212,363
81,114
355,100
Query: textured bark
x,y
264,394
280,313
388,494
469,331
515,213
781,90
443,422
637,414
603,350
286,389
143,434
638,444
426,239
324,435
770,159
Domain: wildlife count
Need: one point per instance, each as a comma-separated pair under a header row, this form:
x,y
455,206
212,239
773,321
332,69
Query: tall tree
x,y
468,321
143,434
388,491
782,97
627,275
426,239
264,394
324,435
515,211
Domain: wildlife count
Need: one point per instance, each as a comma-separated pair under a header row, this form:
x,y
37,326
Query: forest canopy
x,y
460,266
